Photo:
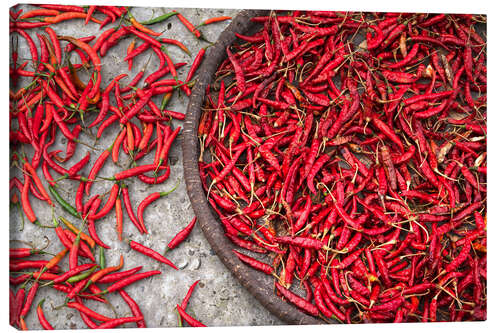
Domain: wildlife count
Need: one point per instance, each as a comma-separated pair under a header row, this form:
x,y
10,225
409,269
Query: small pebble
x,y
197,263
183,264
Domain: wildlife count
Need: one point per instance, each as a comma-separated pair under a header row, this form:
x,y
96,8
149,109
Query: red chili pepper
x,y
85,250
22,324
240,79
38,182
38,12
69,16
128,207
178,44
137,107
88,211
254,263
144,36
16,253
146,202
188,24
29,300
31,44
136,311
216,20
302,242
150,253
109,204
73,253
73,272
182,235
187,297
114,277
89,312
55,44
458,260
384,128
196,63
190,320
129,280
18,303
41,316
140,27
298,301
119,321
167,144
25,200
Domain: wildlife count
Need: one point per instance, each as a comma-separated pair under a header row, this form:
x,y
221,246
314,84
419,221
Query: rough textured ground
x,y
219,300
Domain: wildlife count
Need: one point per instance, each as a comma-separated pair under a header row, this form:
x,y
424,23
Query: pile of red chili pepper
x,y
345,154
56,101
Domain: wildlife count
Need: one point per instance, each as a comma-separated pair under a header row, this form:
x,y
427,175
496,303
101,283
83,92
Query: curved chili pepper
x,y
129,280
136,311
190,320
87,311
69,16
96,61
25,202
128,207
75,230
114,277
181,235
150,253
298,301
254,263
140,27
240,79
67,207
119,321
196,63
188,295
38,182
115,189
133,172
41,316
29,299
188,24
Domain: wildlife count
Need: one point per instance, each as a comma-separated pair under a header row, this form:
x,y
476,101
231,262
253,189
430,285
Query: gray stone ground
x,y
219,299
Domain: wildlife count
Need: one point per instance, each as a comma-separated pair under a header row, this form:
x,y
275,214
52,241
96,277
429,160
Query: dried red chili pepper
x,y
150,253
181,235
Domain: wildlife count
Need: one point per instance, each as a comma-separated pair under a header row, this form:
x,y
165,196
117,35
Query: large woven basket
x,y
258,284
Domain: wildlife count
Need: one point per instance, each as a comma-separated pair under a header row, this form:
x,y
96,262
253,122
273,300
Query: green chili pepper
x,y
70,209
102,258
82,276
179,320
165,100
159,19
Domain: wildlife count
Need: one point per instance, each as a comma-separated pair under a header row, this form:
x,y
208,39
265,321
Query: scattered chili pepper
x,y
190,320
181,235
41,316
188,25
160,18
150,253
215,20
146,202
